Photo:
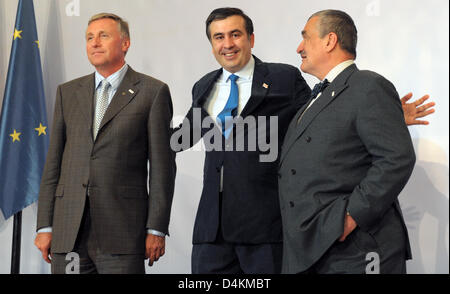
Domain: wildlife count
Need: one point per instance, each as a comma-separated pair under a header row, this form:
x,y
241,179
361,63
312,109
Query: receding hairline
x,y
122,24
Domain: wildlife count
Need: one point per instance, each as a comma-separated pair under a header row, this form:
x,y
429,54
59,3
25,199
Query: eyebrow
x,y
232,32
236,31
92,34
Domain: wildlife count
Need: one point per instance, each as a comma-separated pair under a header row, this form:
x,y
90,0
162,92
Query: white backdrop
x,y
404,40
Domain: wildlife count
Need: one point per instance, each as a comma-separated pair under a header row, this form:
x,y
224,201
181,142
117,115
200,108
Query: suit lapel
x,y
127,90
85,97
204,91
205,88
330,93
260,87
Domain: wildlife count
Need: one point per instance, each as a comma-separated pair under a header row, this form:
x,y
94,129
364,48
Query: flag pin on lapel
x,y
265,86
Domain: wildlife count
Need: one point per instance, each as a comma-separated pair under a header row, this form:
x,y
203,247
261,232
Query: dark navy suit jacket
x,y
250,212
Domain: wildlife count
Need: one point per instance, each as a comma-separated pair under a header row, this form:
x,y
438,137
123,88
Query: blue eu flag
x,y
23,120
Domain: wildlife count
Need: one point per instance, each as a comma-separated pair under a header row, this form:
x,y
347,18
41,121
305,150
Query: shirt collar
x,y
338,69
246,73
115,79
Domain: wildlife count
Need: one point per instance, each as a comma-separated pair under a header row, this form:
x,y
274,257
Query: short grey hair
x,y
123,25
340,23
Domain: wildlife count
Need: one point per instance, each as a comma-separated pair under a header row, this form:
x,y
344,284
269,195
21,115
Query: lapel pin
x,y
131,91
332,94
265,86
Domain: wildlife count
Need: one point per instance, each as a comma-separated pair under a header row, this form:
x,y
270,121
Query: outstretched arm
x,y
414,110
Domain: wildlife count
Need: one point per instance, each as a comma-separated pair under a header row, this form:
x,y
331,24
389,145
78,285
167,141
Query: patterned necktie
x,y
318,88
101,106
230,110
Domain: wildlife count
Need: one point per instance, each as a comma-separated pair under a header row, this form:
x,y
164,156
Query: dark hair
x,y
342,25
225,12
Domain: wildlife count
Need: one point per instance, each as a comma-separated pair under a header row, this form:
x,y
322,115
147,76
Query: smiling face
x,y
312,49
231,45
105,46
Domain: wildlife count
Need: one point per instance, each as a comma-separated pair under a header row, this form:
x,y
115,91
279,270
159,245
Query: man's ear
x,y
126,44
332,41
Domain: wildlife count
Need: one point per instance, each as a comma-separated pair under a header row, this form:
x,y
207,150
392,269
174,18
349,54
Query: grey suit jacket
x,y
112,170
350,152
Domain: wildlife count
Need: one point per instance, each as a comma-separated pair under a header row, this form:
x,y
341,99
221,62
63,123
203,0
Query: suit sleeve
x,y
302,90
162,161
189,132
382,129
52,168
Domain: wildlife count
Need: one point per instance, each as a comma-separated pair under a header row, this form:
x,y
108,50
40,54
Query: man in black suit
x,y
346,157
238,223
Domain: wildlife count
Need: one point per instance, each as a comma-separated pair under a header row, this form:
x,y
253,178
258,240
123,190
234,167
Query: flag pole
x,y
16,240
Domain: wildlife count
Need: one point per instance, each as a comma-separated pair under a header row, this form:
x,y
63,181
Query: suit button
x,y
308,139
218,169
84,185
291,204
293,171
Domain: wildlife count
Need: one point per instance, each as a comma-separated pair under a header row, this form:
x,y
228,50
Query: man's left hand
x,y
349,226
154,248
414,110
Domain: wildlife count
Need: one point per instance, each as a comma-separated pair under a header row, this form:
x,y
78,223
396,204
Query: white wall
x,y
404,40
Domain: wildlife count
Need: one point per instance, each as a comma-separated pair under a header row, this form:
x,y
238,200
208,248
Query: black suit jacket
x,y
250,212
350,152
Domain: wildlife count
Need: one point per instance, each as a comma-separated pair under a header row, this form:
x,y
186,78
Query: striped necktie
x,y
101,105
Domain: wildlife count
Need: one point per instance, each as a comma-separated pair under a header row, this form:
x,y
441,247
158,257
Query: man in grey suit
x,y
346,157
93,197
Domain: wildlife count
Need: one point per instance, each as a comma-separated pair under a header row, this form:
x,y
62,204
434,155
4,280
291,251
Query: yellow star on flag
x,y
41,129
37,42
15,136
17,34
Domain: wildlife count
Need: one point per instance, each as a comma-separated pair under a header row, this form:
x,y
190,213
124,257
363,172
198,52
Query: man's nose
x,y
228,42
96,42
300,47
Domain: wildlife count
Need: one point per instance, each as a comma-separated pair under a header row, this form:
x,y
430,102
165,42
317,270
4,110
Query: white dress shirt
x,y
218,98
332,74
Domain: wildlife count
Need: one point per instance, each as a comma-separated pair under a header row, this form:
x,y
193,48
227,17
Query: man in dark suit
x,y
107,126
238,223
346,156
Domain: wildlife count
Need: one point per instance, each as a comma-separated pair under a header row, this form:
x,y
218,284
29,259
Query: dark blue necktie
x,y
319,88
230,109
